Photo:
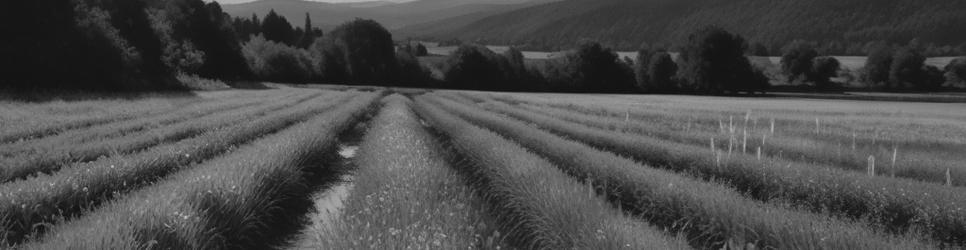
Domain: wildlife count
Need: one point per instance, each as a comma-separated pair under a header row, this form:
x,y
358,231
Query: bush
x,y
822,70
278,62
797,61
713,61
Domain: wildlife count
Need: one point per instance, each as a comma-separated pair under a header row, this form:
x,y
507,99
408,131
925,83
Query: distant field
x,y
338,167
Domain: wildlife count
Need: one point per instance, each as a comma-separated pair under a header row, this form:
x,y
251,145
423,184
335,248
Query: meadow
x,y
334,167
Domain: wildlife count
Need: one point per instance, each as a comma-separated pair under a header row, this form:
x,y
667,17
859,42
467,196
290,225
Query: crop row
x,y
120,110
110,130
811,151
536,204
242,200
711,215
46,198
405,195
58,156
900,206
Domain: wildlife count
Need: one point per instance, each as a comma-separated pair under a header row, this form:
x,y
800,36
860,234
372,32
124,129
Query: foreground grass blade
x,y
537,205
249,199
712,215
900,206
405,194
47,198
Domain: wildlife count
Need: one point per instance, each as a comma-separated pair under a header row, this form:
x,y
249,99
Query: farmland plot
x,y
475,170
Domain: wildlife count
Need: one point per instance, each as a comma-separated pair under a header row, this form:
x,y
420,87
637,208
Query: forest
x,y
137,45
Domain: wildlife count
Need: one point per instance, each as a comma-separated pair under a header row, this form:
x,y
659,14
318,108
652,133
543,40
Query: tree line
x,y
145,44
133,45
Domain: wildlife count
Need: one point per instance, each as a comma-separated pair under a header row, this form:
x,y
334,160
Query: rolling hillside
x,y
627,23
392,15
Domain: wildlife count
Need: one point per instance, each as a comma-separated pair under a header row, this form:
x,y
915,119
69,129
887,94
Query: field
x,y
334,167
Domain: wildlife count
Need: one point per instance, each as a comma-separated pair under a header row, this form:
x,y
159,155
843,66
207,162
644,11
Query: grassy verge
x,y
25,204
711,215
244,200
536,204
899,206
406,196
25,165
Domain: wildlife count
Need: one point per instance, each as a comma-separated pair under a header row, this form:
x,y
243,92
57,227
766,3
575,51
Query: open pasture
x,y
345,168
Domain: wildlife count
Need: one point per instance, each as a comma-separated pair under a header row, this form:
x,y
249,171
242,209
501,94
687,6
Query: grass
x,y
406,195
111,130
47,161
711,215
47,198
913,163
26,120
536,204
244,200
899,206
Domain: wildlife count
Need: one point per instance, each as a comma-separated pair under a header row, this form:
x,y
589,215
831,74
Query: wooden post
x,y
871,168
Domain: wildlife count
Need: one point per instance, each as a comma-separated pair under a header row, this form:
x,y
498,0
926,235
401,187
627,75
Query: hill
x,y
625,24
390,14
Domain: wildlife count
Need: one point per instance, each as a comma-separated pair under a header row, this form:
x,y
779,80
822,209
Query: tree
x,y
956,72
308,35
368,50
473,67
661,71
797,60
822,70
713,61
412,74
594,68
759,49
906,70
277,29
878,63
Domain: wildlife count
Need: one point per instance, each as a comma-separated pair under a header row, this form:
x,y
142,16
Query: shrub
x,y
474,67
594,68
713,61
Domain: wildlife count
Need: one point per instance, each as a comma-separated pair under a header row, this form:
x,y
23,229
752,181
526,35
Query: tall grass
x,y
32,120
899,206
27,204
25,165
111,130
711,215
249,199
406,196
795,148
536,204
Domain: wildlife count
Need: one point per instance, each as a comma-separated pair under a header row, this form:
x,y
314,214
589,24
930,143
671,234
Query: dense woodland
x,y
147,44
842,27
